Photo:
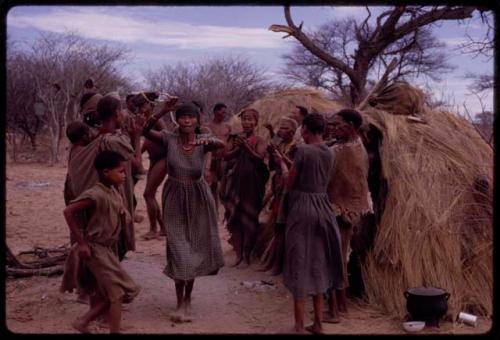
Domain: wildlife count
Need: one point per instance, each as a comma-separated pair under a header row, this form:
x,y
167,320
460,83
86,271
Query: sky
x,y
158,35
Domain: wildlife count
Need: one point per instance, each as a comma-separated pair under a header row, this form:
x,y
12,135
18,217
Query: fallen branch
x,y
45,265
23,272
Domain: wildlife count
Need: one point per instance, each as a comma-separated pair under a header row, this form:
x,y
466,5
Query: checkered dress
x,y
193,244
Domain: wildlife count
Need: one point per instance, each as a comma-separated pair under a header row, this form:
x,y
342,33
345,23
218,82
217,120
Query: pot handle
x,y
446,296
406,294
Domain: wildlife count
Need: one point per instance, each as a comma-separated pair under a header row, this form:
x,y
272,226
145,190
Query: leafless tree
x,y
484,45
480,82
20,117
232,80
349,50
57,66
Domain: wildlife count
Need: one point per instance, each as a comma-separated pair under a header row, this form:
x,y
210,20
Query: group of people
x,y
318,194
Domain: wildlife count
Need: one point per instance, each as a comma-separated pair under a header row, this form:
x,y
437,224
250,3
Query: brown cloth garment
x,y
348,191
348,188
243,199
102,272
82,174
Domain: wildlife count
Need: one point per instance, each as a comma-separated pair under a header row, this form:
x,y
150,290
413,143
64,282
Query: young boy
x,y
92,265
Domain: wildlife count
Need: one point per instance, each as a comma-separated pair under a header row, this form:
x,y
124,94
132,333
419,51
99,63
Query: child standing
x,y
92,265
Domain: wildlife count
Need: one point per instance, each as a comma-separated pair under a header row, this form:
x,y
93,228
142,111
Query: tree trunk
x,y
33,141
13,143
54,143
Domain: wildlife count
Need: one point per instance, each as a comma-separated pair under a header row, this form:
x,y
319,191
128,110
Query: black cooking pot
x,y
426,303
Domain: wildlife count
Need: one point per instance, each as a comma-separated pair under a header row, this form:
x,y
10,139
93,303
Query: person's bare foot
x,y
138,218
102,321
299,330
314,329
150,235
176,316
83,298
329,318
276,271
238,261
80,326
243,265
187,315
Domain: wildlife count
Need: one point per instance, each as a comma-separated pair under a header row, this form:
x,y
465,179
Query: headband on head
x,y
147,99
113,94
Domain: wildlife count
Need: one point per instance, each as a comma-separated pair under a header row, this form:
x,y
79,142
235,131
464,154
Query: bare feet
x,y
238,261
187,313
138,218
329,318
150,235
182,314
299,330
314,329
83,298
176,316
80,326
243,265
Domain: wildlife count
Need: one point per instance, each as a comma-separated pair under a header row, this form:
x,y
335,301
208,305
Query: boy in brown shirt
x,y
92,265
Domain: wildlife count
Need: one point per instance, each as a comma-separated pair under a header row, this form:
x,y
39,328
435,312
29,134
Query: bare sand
x,y
221,304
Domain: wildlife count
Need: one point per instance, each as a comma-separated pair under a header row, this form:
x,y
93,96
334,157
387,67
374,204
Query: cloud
x,y
455,42
347,11
127,29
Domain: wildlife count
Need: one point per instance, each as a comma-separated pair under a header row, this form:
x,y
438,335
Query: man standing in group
x,y
214,167
298,114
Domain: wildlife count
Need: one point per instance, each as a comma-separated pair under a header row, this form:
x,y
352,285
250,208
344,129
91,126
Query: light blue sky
x,y
159,35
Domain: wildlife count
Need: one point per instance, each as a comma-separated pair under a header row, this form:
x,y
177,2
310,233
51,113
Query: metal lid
x,y
426,291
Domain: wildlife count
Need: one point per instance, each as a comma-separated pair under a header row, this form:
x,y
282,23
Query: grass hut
x,y
434,198
435,228
279,104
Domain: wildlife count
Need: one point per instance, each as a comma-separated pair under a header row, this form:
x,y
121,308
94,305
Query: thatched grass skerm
x,y
436,228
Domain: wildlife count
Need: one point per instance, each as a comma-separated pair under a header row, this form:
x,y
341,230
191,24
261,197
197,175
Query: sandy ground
x,y
221,304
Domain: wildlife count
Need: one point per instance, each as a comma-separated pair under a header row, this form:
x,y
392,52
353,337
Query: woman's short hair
x,y
315,123
187,109
352,117
219,106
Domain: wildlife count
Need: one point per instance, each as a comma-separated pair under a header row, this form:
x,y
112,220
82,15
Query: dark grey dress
x,y
313,262
189,215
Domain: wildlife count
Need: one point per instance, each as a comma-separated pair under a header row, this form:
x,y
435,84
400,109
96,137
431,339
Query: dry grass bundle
x,y
399,98
436,228
279,104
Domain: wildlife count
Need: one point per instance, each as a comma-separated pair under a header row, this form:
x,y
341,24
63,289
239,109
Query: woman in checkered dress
x,y
193,244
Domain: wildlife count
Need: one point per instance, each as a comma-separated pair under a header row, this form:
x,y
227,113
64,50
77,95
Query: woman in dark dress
x,y
245,187
313,261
